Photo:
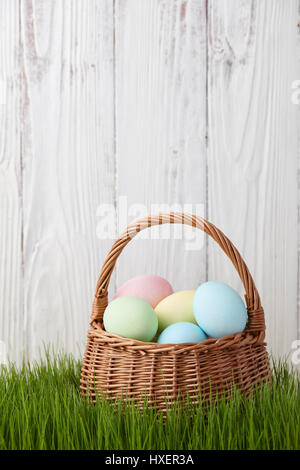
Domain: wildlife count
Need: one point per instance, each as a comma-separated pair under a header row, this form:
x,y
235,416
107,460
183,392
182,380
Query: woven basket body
x,y
119,367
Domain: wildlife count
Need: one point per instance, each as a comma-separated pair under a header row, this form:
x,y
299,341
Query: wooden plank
x,y
11,281
161,126
68,163
252,151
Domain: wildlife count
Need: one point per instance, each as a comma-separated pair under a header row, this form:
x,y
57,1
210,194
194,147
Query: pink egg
x,y
148,287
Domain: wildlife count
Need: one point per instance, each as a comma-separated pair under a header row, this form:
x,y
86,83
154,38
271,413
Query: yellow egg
x,y
175,308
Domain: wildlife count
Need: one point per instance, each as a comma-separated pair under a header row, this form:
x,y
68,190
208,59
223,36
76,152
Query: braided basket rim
x,y
230,341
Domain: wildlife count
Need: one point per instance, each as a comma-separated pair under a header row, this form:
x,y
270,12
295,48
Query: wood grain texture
x,y
130,106
161,126
68,163
11,278
252,153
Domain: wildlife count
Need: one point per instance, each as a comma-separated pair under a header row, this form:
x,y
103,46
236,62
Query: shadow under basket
x,y
116,367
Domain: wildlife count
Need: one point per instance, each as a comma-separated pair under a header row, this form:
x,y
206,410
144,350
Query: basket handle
x,y
256,320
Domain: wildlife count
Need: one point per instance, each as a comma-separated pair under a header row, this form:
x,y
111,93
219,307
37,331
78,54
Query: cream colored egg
x,y
177,307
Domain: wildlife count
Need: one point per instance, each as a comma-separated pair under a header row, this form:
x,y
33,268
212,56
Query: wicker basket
x,y
119,367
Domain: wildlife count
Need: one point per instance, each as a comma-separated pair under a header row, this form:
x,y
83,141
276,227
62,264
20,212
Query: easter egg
x,y
148,287
177,307
181,332
219,309
130,317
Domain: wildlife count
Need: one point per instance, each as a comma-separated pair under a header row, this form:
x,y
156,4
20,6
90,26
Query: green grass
x,y
40,408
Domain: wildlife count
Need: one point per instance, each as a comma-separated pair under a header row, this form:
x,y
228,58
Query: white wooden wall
x,y
161,101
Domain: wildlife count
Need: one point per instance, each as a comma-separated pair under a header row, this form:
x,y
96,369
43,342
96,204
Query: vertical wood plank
x,y
11,282
252,151
161,127
68,163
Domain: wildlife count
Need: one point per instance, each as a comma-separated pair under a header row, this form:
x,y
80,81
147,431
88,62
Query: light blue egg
x,y
219,310
181,332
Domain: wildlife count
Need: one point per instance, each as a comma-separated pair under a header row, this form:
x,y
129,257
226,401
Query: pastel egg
x,y
130,317
219,309
177,307
181,332
148,287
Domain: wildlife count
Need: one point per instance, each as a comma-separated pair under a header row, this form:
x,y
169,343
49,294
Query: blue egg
x,y
181,332
219,310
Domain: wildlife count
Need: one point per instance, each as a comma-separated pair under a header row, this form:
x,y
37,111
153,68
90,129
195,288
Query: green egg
x,y
131,317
